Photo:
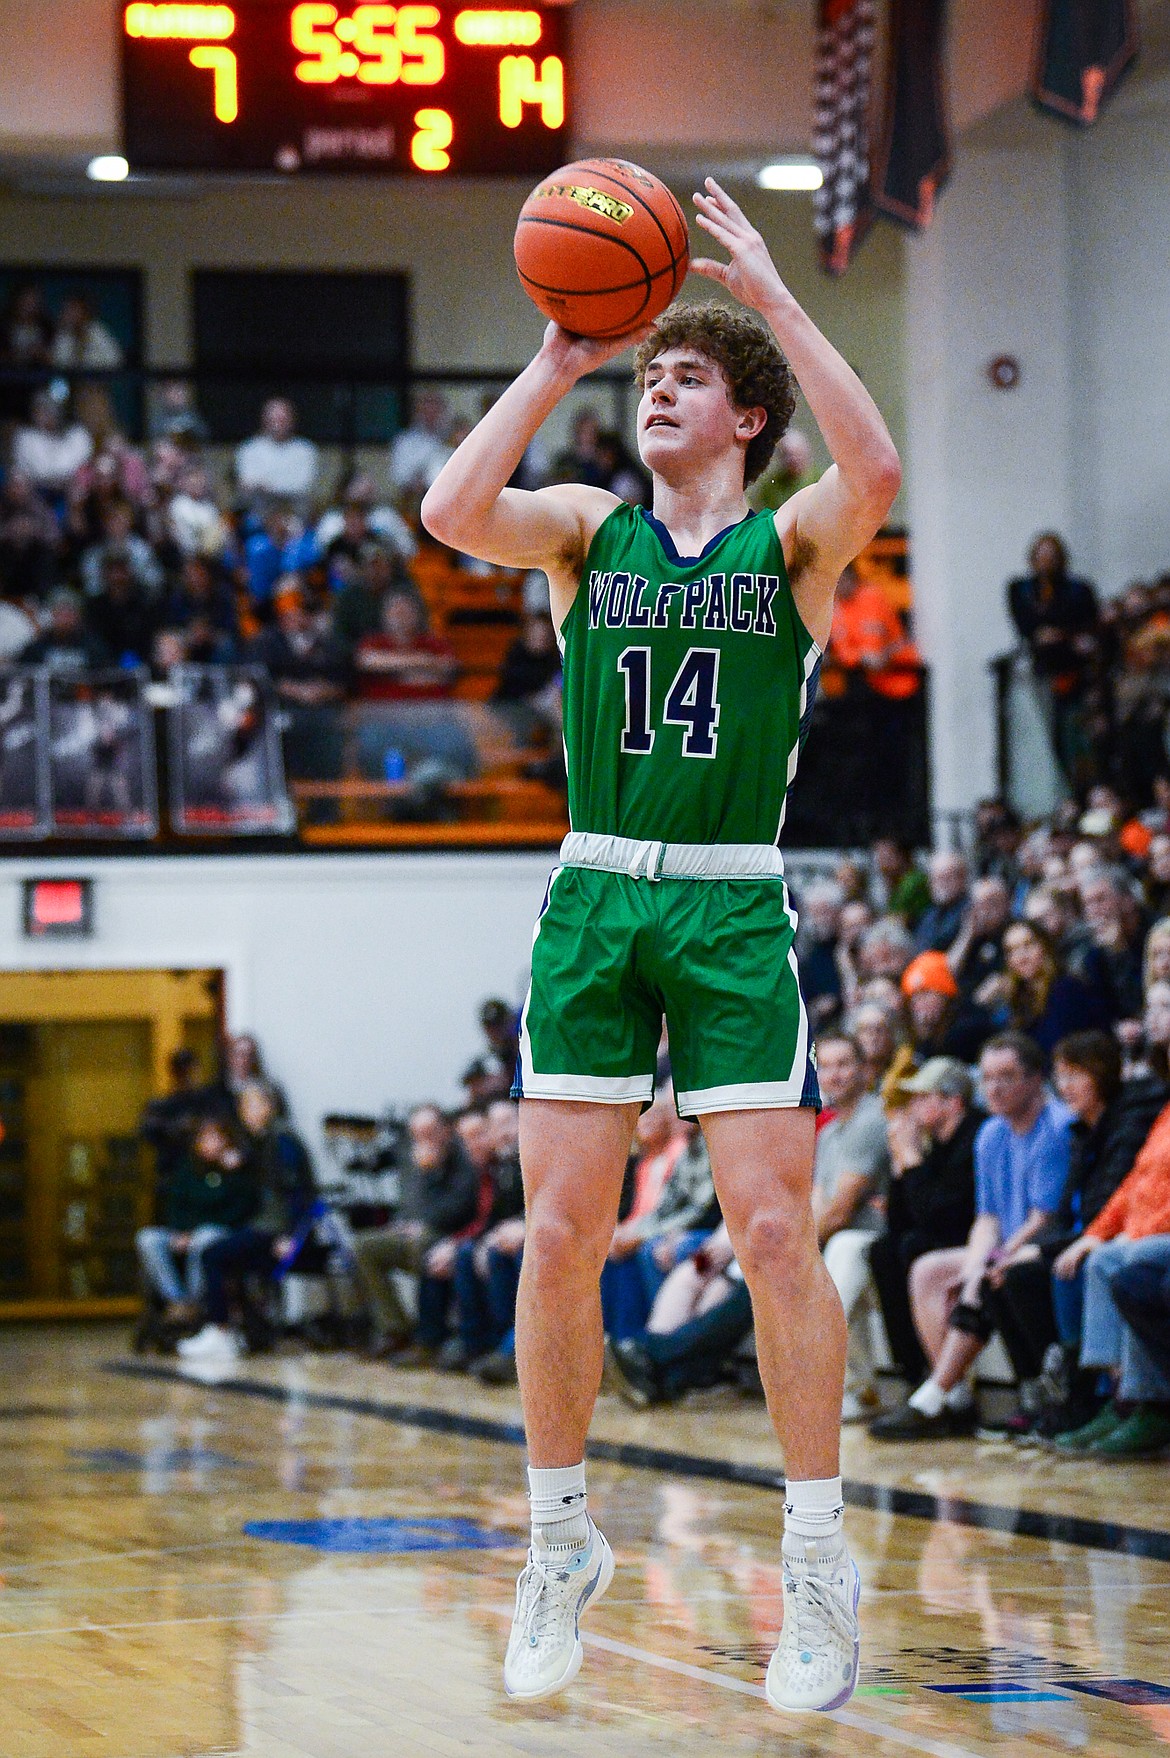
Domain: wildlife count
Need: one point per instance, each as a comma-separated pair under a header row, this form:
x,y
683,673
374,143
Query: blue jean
x,y
487,1304
1106,1339
629,1285
160,1262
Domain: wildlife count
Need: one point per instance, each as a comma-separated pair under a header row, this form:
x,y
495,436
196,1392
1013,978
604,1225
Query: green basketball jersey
x,y
688,684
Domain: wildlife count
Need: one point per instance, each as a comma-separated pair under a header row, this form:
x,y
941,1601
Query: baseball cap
x,y
942,1074
929,970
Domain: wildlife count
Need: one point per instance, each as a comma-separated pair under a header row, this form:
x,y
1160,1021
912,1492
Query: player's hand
x,y
751,274
574,356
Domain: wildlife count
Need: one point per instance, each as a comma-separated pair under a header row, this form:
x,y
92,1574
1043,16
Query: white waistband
x,y
672,860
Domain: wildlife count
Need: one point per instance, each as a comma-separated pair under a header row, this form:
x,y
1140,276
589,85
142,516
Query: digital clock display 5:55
x,y
264,85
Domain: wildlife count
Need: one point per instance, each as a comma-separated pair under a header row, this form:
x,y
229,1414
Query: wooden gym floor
x,y
315,1558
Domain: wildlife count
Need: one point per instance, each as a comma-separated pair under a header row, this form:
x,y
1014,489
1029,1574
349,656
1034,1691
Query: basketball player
x,y
691,639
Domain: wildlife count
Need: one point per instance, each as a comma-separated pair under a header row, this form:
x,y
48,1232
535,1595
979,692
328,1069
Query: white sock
x,y
557,1498
960,1397
814,1512
929,1398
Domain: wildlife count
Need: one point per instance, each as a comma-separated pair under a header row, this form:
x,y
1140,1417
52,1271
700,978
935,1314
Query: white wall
x,y
1119,280
361,975
1051,246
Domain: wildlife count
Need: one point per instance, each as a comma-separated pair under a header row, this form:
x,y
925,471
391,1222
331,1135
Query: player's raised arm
x,y
469,505
825,525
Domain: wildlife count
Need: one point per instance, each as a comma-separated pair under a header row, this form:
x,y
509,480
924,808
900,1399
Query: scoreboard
x,y
269,85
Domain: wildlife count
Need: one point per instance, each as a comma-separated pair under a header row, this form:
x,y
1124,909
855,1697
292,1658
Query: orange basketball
x,y
601,246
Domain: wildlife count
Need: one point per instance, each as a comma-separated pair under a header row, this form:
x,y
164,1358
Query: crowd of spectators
x,y
115,555
992,1160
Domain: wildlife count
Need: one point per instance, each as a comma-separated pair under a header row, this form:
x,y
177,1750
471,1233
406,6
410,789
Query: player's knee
x,y
558,1244
773,1237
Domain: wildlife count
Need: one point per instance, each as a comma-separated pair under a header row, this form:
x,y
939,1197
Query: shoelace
x,y
818,1610
536,1600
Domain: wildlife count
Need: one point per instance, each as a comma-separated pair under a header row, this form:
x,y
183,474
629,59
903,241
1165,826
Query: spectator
x,y
30,541
119,539
674,1209
885,950
1157,885
26,335
1112,1119
172,414
193,516
490,1075
1131,1233
83,340
114,474
279,548
852,875
432,1347
998,838
1141,1294
855,919
300,651
203,608
1021,1168
49,453
820,973
1114,921
1034,995
440,1194
66,645
310,671
931,1202
977,952
623,473
121,616
906,886
168,1124
1058,620
941,1024
581,460
403,661
701,1315
240,1065
939,925
210,1194
275,463
850,1174
531,664
357,609
347,529
283,1175
875,1029
486,1269
420,450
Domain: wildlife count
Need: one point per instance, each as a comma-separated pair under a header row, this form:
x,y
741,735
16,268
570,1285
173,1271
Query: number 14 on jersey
x,y
691,702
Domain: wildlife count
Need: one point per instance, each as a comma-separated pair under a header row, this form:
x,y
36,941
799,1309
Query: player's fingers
x,y
713,224
706,265
719,194
716,221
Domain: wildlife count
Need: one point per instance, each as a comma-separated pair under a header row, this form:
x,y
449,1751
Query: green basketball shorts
x,y
612,953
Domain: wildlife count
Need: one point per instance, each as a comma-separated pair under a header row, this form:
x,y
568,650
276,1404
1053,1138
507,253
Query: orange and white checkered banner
x,y
844,58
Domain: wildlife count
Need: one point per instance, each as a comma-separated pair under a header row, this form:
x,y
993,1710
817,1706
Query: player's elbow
x,y
887,477
438,514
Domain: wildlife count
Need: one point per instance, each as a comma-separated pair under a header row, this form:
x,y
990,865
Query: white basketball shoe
x,y
544,1650
816,1660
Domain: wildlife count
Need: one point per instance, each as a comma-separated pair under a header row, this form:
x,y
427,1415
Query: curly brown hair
x,y
757,374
